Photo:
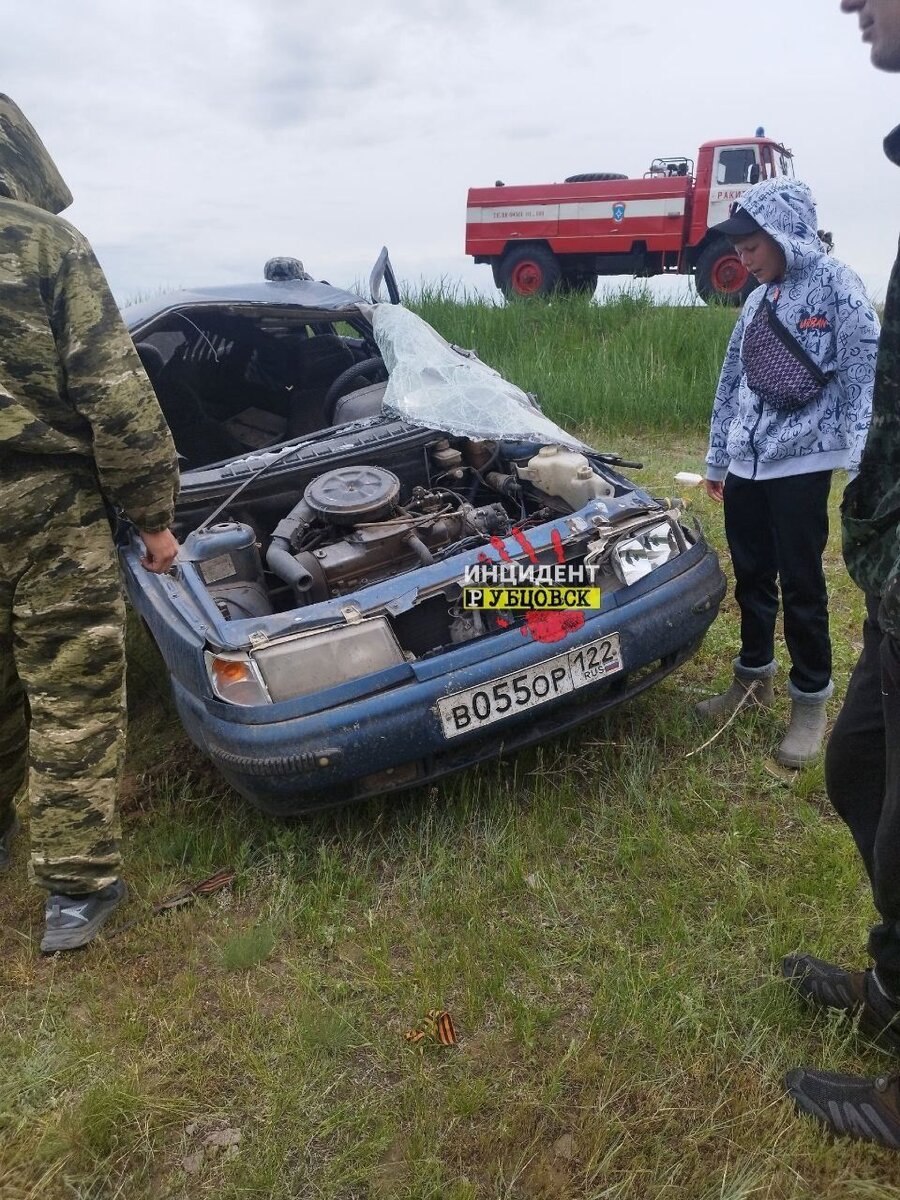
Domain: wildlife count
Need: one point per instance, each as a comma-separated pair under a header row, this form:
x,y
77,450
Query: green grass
x,y
602,915
625,363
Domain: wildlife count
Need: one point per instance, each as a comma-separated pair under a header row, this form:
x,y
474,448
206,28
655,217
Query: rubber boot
x,y
719,708
802,743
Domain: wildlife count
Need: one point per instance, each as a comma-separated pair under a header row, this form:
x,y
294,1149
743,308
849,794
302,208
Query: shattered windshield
x,y
436,386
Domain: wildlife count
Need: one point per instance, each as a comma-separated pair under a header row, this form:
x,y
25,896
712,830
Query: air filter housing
x,y
350,495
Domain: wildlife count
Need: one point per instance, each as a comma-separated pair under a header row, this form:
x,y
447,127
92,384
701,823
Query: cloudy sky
x,y
201,138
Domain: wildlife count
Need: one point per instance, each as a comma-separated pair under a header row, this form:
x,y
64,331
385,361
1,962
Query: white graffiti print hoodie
x,y
823,305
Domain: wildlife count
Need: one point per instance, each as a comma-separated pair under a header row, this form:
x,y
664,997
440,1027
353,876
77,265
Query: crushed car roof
x,y
302,293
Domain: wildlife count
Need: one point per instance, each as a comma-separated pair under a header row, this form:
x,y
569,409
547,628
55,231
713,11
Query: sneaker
x,y
859,994
72,921
850,1104
6,840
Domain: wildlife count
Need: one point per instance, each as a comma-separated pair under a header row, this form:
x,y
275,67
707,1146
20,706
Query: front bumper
x,y
392,738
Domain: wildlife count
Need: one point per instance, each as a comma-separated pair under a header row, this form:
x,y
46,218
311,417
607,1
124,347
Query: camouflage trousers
x,y
62,669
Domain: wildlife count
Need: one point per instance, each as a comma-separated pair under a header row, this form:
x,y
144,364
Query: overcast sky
x,y
201,138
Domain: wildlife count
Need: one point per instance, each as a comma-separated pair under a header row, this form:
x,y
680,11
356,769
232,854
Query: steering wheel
x,y
369,366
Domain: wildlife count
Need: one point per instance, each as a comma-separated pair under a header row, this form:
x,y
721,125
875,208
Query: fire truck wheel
x,y
720,275
529,271
595,177
583,282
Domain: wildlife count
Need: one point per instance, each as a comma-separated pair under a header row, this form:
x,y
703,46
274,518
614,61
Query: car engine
x,y
350,530
357,525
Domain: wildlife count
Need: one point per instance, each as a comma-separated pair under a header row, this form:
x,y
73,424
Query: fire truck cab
x,y
544,238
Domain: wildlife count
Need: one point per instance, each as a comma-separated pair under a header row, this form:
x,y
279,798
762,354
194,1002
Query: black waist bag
x,y
777,367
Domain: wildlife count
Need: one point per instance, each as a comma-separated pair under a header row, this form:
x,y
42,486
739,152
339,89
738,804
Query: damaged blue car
x,y
344,472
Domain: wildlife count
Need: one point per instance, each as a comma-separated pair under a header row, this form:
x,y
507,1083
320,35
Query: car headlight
x,y
305,663
637,556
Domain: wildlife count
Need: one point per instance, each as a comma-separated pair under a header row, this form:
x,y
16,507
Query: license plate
x,y
523,690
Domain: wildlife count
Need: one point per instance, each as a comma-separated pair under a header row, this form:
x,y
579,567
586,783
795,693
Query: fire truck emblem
x,y
618,211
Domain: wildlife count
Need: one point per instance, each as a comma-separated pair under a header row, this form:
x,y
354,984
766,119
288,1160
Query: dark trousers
x,y
777,530
862,774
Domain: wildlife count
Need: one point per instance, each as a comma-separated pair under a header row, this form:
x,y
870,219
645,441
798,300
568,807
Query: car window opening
x,y
230,382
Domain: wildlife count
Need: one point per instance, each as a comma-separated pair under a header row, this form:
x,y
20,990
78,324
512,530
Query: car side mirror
x,y
753,174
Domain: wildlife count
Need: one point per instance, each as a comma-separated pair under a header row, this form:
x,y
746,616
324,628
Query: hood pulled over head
x,y
785,209
27,172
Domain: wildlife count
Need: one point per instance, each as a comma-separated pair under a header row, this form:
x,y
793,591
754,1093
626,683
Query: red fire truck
x,y
542,238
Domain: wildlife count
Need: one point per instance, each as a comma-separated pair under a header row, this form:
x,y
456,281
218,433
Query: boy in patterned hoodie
x,y
793,405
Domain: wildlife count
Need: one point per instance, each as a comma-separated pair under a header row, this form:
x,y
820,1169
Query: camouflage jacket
x,y
70,379
871,507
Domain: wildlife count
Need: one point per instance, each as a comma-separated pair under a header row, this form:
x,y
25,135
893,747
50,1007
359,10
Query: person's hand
x,y
161,550
715,489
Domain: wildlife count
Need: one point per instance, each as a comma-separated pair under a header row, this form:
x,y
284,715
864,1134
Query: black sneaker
x,y
857,993
72,921
6,841
868,1109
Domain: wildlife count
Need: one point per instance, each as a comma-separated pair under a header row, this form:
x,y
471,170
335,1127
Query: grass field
x,y
603,916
